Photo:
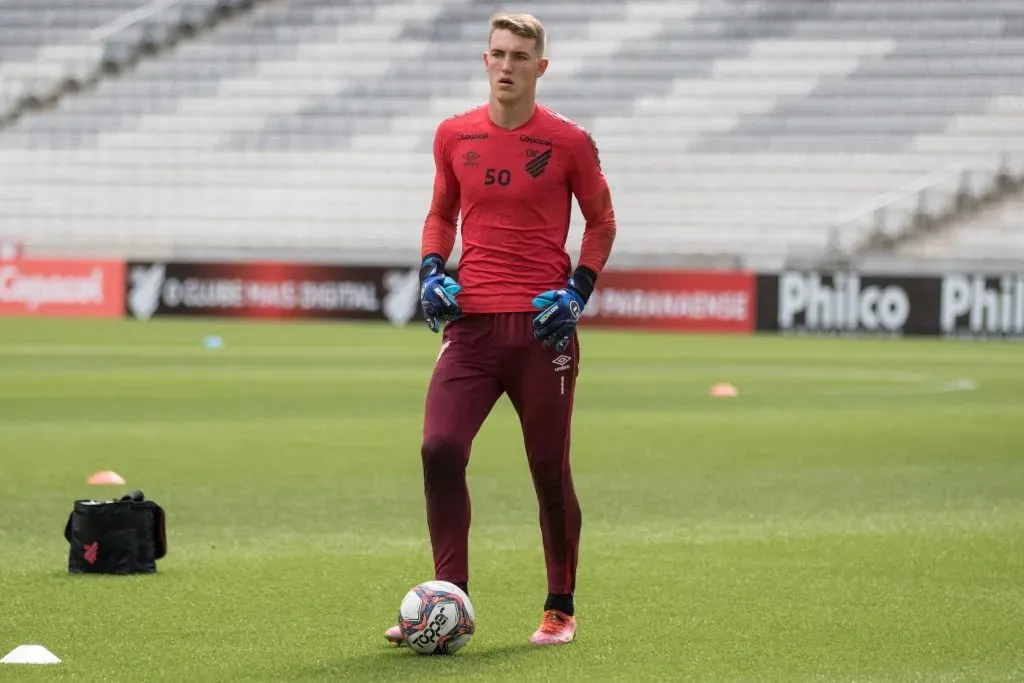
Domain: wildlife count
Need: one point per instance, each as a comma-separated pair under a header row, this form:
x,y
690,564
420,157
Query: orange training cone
x,y
106,477
724,389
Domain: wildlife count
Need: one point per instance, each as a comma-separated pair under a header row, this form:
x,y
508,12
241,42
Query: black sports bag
x,y
121,536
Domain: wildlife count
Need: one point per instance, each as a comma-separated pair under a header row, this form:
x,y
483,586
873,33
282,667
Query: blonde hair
x,y
522,25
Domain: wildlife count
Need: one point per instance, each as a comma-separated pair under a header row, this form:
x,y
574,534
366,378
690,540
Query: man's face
x,y
513,65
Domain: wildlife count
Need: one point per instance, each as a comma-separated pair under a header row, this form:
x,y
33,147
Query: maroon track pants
x,y
481,357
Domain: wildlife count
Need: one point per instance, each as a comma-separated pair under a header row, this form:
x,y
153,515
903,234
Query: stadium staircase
x,y
53,48
733,132
989,233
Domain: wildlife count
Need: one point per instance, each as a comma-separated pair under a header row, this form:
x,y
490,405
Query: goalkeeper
x,y
513,167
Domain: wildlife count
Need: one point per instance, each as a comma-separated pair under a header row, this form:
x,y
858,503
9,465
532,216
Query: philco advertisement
x,y
849,303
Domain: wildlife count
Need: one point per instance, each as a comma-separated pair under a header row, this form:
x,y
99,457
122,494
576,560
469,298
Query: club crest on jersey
x,y
538,163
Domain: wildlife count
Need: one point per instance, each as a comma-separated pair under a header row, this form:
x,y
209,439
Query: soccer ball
x,y
436,618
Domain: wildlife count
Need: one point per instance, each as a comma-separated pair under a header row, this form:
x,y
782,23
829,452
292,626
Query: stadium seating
x,y
731,127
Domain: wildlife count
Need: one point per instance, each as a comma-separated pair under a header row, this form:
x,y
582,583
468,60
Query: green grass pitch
x,y
855,514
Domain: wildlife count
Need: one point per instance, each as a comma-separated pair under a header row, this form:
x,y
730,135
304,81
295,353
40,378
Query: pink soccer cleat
x,y
394,636
556,628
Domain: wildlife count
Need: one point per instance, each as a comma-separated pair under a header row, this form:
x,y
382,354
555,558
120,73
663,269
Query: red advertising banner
x,y
52,288
679,300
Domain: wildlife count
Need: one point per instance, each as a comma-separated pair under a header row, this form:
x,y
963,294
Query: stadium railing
x,y
934,196
75,49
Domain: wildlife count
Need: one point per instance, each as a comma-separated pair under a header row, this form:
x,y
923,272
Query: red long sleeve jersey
x,y
515,190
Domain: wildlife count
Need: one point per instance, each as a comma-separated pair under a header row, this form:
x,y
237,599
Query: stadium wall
x,y
950,305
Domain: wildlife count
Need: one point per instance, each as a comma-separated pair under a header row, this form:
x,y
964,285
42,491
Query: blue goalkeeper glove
x,y
437,293
561,309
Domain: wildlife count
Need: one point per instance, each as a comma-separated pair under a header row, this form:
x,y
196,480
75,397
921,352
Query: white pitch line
x,y
922,389
959,385
827,373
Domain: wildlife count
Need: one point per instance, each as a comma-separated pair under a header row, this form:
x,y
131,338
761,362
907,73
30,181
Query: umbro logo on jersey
x,y
470,158
536,165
